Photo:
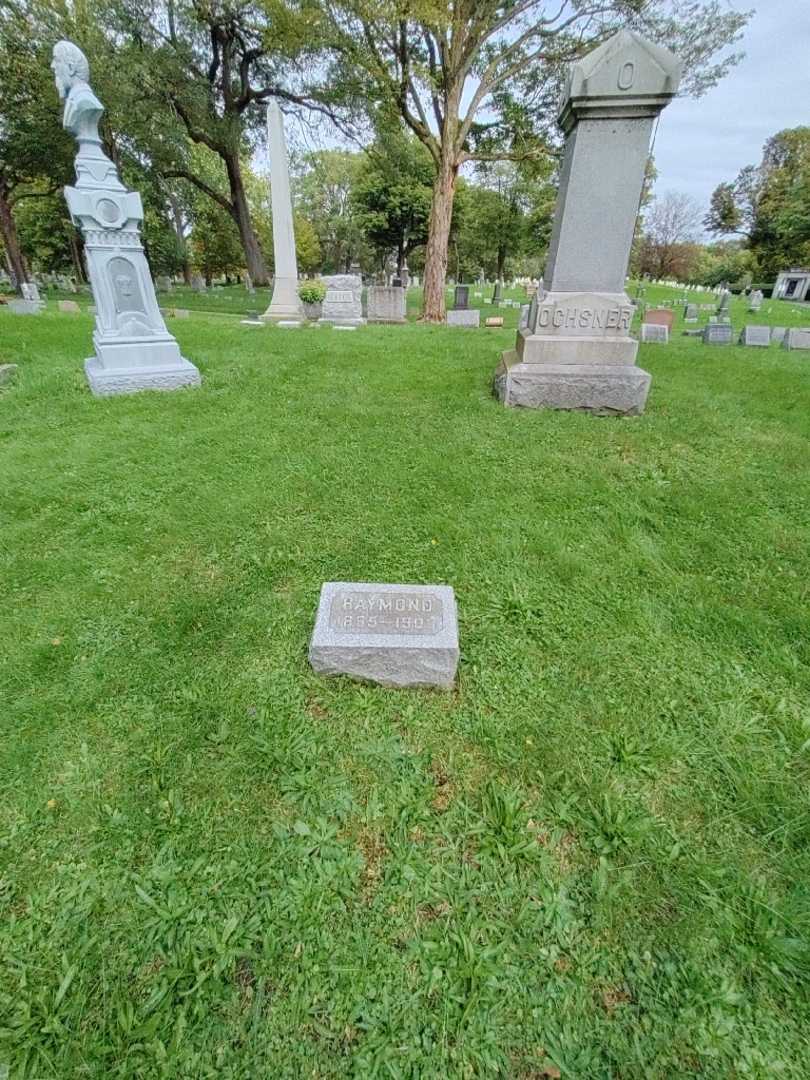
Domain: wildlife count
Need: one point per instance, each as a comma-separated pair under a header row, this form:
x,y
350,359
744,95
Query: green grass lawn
x,y
590,860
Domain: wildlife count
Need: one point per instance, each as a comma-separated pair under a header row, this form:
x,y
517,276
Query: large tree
x,y
671,229
198,74
35,154
507,214
476,80
323,186
767,204
392,195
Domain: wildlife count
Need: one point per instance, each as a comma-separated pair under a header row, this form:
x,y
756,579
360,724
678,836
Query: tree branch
x,y
206,189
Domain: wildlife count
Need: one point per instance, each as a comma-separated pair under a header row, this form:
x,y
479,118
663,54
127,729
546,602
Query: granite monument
x,y
578,353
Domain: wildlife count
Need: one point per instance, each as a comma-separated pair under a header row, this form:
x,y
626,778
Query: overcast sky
x,y
700,143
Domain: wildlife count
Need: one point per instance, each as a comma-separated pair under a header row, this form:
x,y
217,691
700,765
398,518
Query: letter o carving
x,y
627,75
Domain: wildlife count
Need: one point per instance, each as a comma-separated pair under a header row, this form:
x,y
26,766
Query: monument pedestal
x,y
105,381
285,304
607,390
575,352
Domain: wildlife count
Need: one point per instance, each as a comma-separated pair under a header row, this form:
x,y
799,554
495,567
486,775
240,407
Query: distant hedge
x,y
765,289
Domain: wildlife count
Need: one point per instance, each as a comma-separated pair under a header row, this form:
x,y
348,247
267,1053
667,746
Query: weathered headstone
x,y
464,317
494,320
778,334
386,304
756,335
690,313
717,334
660,317
461,298
655,332
69,307
198,283
797,338
496,294
755,300
8,372
523,321
343,303
134,350
24,307
30,292
395,635
578,352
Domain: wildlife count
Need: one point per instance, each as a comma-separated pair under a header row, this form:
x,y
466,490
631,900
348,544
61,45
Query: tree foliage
x,y
669,241
768,204
391,195
477,80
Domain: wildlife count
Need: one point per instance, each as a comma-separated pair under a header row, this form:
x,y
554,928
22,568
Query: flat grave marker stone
x,y
717,334
654,332
756,335
464,317
394,635
797,338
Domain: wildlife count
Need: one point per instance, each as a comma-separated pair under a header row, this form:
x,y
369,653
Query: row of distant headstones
x,y
721,333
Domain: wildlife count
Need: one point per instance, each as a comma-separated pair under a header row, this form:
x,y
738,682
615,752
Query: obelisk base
x,y
604,389
285,303
104,382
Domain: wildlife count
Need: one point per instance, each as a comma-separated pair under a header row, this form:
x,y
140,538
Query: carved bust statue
x,y
82,114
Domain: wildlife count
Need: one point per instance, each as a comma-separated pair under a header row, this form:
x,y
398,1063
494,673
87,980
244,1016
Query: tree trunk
x,y
241,215
179,229
11,242
76,258
441,216
501,262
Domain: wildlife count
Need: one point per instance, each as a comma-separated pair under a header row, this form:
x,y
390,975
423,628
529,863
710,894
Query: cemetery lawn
x,y
589,860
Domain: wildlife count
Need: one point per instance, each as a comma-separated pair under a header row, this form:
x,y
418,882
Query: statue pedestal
x,y
134,350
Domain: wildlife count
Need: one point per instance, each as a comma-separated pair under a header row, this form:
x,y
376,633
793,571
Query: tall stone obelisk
x,y
134,350
576,351
285,303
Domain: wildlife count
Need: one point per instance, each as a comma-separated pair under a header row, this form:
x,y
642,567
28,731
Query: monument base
x,y
278,314
285,302
342,323
104,382
604,389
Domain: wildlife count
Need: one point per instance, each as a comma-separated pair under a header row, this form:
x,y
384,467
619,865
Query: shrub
x,y
312,292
